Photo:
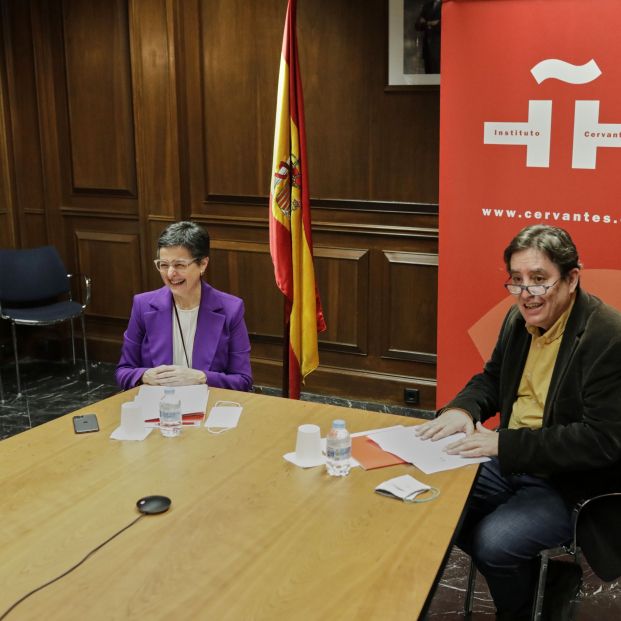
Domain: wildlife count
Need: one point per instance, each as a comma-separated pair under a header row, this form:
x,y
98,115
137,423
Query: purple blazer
x,y
221,344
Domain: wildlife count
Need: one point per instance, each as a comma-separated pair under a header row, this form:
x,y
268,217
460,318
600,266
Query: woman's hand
x,y
173,375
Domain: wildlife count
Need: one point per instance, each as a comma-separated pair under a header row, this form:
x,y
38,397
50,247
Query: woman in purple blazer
x,y
186,332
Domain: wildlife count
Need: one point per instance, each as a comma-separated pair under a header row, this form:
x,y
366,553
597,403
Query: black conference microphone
x,y
153,504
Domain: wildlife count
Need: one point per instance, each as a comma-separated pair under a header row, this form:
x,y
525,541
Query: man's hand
x,y
448,423
481,443
173,375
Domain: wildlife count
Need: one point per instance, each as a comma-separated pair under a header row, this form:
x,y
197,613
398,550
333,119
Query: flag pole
x,y
285,353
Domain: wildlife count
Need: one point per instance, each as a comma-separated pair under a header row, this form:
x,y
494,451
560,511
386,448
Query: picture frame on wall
x,y
414,28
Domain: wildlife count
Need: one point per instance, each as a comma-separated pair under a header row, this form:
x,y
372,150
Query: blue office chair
x,y
592,521
35,290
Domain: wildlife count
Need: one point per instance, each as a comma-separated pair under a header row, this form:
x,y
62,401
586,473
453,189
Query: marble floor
x,y
49,390
596,601
52,389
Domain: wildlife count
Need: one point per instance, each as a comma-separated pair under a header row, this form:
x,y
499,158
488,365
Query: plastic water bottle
x,y
170,414
338,450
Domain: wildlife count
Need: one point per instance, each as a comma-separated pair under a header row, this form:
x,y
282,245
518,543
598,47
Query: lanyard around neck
x,y
185,351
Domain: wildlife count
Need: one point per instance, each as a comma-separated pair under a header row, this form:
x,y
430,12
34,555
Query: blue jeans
x,y
508,521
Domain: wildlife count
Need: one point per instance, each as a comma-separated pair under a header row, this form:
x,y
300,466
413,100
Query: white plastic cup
x,y
132,422
308,444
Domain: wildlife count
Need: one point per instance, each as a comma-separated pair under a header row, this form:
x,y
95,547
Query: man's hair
x,y
553,241
187,234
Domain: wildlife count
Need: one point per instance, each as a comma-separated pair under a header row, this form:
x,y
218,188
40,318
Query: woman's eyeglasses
x,y
178,266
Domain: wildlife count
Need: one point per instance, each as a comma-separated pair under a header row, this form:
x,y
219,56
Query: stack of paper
x,y
426,455
193,403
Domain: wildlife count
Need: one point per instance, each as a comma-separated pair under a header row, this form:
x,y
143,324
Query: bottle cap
x,y
338,424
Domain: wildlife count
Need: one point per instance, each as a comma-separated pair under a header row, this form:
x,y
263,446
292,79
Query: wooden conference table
x,y
248,535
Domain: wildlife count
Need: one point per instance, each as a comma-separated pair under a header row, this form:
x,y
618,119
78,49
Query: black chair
x,y
592,520
35,290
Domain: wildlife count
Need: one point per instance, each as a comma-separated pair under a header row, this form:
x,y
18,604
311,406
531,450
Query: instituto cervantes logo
x,y
588,136
286,178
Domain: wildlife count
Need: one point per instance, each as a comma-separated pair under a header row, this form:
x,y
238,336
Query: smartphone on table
x,y
85,423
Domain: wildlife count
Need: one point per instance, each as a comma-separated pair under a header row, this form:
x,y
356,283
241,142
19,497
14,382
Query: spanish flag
x,y
291,245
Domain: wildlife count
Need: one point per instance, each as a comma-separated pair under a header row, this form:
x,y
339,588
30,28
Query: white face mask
x,y
223,415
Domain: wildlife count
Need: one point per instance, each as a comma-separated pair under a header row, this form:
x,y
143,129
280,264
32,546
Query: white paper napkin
x,y
121,434
304,463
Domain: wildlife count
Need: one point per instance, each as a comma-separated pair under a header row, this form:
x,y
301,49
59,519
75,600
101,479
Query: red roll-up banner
x,y
530,132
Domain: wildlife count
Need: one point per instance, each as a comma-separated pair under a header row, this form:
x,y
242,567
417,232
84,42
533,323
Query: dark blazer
x,y
221,344
578,447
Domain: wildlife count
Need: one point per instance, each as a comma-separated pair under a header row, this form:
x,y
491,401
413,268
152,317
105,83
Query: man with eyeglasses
x,y
555,378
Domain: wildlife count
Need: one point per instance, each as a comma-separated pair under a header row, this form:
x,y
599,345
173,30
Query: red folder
x,y
369,455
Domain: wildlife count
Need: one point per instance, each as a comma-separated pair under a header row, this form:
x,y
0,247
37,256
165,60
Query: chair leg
x,y
83,322
469,600
72,340
576,558
19,384
541,585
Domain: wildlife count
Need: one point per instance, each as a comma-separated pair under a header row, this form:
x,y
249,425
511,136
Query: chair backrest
x,y
599,536
31,274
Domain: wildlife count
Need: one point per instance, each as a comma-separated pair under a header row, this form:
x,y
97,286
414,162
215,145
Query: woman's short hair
x,y
187,234
553,241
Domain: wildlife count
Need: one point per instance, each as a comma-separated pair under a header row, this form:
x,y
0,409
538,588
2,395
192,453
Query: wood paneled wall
x,y
122,116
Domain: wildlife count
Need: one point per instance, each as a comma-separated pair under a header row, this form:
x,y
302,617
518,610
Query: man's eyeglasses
x,y
514,289
178,266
